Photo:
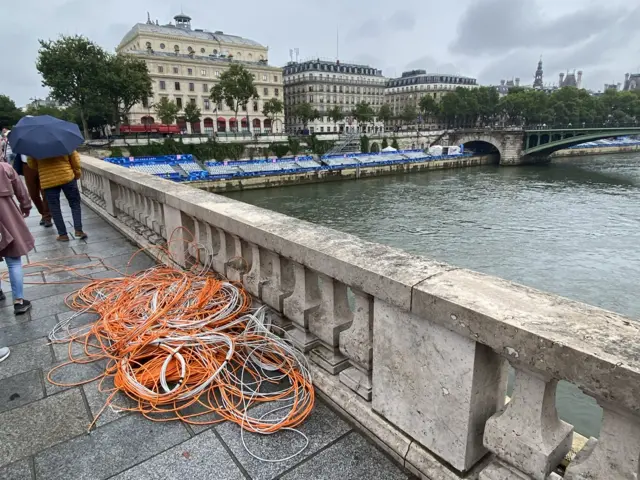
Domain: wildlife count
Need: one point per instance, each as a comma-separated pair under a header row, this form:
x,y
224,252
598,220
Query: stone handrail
x,y
415,350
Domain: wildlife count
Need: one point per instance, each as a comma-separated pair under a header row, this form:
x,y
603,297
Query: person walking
x,y
15,238
61,174
32,180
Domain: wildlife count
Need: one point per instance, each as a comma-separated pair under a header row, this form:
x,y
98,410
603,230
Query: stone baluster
x,y
527,437
217,238
177,246
111,192
326,324
299,305
238,261
252,280
274,281
615,455
356,342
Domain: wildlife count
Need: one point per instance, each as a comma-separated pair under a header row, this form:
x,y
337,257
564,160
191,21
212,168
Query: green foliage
x,y
364,144
272,108
124,82
294,146
319,147
409,114
192,113
279,149
72,67
335,114
206,151
9,113
306,113
116,152
167,110
235,88
385,143
385,114
394,144
363,113
428,105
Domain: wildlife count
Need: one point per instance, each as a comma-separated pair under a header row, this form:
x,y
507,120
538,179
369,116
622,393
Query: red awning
x,y
222,119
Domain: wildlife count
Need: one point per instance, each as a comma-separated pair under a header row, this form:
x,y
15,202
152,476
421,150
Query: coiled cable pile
x,y
184,344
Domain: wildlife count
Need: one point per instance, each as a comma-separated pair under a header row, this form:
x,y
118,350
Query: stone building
x,y
408,89
570,79
631,82
327,84
184,65
506,85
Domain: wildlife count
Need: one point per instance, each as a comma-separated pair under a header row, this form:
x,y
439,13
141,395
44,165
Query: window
x,y
162,46
203,72
175,69
321,129
255,106
276,91
205,87
202,50
275,78
217,73
244,108
266,91
219,106
179,103
193,101
192,87
176,85
163,85
189,71
160,69
264,77
145,102
207,104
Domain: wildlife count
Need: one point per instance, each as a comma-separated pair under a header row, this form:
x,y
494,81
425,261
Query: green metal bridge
x,y
548,140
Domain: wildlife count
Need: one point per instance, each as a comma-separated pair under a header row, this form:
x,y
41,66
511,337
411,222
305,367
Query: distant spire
x,y
149,22
538,83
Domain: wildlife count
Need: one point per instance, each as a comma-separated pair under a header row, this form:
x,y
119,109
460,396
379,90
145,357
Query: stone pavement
x,y
43,428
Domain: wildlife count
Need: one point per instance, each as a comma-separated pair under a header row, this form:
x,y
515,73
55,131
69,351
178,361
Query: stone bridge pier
x,y
508,144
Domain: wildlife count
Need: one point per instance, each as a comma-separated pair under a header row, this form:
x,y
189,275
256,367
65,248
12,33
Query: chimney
x,y
517,82
579,80
626,77
561,79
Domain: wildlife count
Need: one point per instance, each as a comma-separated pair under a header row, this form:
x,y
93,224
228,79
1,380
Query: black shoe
x,y
3,297
47,224
21,308
42,222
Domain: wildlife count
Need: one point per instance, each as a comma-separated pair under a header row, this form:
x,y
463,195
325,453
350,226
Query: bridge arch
x,y
481,144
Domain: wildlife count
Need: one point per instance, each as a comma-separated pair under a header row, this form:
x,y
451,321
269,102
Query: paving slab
x,y
20,389
38,425
108,450
51,259
322,427
26,331
27,356
97,394
108,248
140,262
196,458
70,375
43,307
20,470
351,458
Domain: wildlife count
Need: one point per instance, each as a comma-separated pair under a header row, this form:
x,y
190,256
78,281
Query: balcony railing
x,y
414,350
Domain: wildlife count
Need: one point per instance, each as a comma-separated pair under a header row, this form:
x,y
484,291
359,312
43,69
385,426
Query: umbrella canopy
x,y
389,149
45,136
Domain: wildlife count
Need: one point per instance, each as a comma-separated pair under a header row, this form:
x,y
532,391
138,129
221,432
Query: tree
x,y
167,110
125,82
385,114
192,114
72,67
279,149
409,114
294,146
364,144
235,88
68,114
306,113
394,144
271,109
428,106
9,113
385,143
363,113
335,115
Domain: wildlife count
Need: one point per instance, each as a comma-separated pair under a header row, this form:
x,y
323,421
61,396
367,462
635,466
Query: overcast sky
x,y
487,39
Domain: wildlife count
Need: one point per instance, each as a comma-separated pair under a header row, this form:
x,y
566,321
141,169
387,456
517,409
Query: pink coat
x,y
11,216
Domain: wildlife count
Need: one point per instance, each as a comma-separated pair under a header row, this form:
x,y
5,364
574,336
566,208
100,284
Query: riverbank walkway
x,y
43,428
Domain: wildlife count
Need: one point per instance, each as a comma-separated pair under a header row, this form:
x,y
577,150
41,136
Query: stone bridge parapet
x,y
414,350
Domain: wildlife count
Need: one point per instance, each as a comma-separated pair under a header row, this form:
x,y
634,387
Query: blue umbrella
x,y
45,136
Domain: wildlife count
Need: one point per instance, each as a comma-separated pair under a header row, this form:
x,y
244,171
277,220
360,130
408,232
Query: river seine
x,y
571,227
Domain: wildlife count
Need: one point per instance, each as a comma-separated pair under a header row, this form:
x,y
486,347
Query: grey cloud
x,y
401,21
499,26
430,64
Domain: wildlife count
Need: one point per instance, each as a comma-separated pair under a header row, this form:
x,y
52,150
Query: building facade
x,y
407,90
328,84
184,64
631,82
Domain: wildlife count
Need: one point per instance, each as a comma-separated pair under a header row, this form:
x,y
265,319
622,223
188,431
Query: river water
x,y
571,227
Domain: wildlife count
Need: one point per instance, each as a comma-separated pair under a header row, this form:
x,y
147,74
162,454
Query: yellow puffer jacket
x,y
56,171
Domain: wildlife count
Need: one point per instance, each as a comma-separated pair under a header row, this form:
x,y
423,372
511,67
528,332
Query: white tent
x,y
389,149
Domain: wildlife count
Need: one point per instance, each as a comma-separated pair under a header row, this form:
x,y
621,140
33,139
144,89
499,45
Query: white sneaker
x,y
4,353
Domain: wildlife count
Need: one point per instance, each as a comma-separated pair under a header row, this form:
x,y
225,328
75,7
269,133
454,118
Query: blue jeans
x,y
72,193
14,264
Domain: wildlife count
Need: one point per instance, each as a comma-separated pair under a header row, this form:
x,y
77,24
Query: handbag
x,y
5,237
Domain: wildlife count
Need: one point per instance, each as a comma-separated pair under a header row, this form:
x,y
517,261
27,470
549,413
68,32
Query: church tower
x,y
537,83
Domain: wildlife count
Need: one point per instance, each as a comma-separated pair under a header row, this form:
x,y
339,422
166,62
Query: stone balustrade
x,y
415,351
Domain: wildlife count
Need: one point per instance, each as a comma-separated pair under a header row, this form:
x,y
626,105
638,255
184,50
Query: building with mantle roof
x,y
185,63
